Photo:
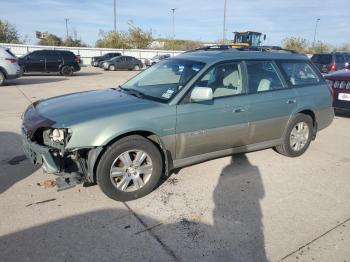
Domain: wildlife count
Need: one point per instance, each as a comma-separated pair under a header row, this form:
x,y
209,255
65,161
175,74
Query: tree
x,y
343,47
319,47
138,38
9,33
73,40
297,44
181,45
112,39
52,40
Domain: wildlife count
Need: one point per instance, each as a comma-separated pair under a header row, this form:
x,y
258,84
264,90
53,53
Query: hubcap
x,y
131,170
299,136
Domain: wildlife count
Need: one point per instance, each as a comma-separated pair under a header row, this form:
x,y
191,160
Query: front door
x,y
218,124
35,62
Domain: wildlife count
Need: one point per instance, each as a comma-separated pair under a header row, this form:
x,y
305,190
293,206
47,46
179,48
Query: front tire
x,y
136,68
298,136
129,169
111,68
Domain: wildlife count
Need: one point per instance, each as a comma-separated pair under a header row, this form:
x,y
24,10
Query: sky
x,y
194,19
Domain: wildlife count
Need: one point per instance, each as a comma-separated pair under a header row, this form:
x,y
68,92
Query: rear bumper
x,y
9,77
324,117
40,155
338,104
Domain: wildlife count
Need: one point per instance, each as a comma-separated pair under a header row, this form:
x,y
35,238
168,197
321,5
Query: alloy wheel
x,y
131,170
299,136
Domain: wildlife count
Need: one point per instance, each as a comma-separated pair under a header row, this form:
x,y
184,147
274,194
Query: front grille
x,y
337,84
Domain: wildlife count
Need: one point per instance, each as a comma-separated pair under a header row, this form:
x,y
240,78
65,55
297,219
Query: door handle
x,y
291,101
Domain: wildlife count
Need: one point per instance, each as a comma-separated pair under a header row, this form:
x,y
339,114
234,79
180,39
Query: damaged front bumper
x,y
40,155
51,163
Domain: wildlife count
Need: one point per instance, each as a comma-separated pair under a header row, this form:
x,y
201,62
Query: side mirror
x,y
200,94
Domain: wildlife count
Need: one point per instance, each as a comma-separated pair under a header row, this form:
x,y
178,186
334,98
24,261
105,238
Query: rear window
x,y
339,58
322,59
300,73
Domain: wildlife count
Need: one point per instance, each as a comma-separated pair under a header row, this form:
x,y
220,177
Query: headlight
x,y
57,135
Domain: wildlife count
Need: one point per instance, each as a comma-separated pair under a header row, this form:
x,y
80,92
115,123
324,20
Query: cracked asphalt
x,y
259,206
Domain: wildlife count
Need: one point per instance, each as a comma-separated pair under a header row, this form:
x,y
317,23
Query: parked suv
x,y
9,68
340,83
50,61
197,106
95,61
331,62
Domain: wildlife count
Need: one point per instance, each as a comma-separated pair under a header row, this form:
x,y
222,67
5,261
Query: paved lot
x,y
259,206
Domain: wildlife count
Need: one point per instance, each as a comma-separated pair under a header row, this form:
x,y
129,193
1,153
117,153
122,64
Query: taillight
x,y
77,59
12,60
333,67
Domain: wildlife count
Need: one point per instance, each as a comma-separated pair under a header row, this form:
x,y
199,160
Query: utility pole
x,y
173,10
114,16
224,29
66,27
313,43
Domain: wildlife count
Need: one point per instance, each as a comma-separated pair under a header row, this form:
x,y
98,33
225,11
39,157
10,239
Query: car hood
x,y
339,75
68,110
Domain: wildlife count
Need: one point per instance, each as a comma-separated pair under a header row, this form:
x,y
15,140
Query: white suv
x,y
9,68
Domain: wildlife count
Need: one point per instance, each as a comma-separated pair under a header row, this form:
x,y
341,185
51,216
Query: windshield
x,y
165,79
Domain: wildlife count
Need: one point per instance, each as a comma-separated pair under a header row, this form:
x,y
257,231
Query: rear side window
x,y
300,73
263,76
322,59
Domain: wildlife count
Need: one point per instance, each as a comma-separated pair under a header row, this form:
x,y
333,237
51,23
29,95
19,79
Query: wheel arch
x,y
95,154
4,71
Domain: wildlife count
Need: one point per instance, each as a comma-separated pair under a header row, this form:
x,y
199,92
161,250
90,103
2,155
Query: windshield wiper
x,y
133,92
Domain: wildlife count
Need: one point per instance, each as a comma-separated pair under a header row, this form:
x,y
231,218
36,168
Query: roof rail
x,y
268,49
211,48
277,49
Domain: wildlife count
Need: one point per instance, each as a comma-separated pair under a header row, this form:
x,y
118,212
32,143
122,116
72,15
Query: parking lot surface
x,y
259,206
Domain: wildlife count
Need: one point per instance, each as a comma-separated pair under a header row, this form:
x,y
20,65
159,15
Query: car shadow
x,y
342,113
87,73
14,165
33,81
123,235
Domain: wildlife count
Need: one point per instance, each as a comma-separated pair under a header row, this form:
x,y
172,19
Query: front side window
x,y
165,79
263,76
224,80
300,73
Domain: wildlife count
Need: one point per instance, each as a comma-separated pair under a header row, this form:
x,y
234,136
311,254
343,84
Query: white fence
x,y
87,52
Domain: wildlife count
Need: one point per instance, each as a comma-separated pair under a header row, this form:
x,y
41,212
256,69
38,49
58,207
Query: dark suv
x,y
50,61
97,59
330,62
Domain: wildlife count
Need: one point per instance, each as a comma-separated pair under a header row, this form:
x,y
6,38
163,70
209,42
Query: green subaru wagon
x,y
199,105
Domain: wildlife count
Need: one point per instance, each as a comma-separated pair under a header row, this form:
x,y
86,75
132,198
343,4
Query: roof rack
x,y
245,48
211,48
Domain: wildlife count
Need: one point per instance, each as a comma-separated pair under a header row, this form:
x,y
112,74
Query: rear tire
x,y
66,70
113,169
298,136
2,78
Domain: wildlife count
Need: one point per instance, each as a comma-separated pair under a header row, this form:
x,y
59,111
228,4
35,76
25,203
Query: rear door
x,y
272,101
218,124
53,61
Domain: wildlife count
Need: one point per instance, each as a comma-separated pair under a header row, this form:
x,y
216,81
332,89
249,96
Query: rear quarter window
x,y
339,58
299,73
